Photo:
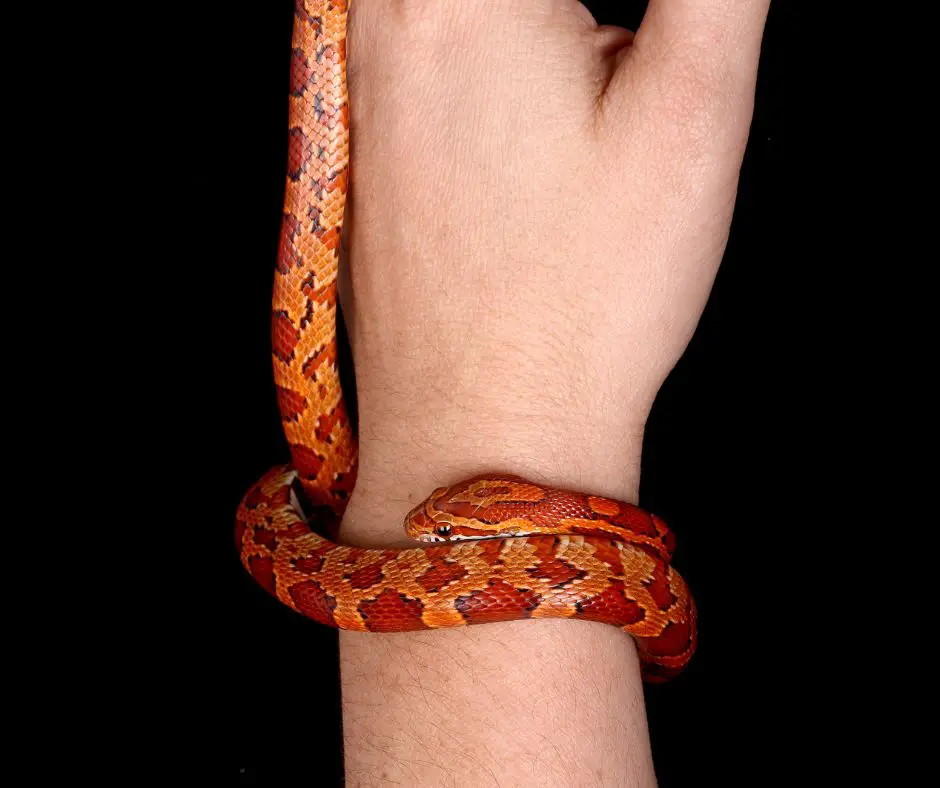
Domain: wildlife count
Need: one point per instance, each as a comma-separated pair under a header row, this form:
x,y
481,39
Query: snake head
x,y
464,511
428,523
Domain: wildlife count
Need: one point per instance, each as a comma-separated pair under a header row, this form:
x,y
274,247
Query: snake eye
x,y
442,530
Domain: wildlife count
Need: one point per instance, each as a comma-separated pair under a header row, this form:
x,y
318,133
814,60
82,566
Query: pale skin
x,y
537,212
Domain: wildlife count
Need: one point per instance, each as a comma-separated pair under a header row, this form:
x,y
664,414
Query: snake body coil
x,y
502,548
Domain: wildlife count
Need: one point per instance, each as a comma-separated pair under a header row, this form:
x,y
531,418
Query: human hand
x,y
536,214
537,211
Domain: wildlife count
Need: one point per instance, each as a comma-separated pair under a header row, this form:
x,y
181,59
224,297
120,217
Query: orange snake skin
x,y
503,548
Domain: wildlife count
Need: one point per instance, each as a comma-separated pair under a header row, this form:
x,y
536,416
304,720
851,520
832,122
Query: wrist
x,y
403,459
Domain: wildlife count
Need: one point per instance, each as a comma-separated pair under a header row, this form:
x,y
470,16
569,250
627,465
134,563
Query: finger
x,y
715,30
711,44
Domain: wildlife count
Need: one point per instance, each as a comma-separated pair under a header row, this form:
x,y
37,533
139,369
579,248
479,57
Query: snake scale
x,y
495,547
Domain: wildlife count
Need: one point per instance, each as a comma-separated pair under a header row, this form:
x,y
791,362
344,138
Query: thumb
x,y
713,45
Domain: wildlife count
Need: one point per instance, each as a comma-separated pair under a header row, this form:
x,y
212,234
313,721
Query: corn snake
x,y
501,548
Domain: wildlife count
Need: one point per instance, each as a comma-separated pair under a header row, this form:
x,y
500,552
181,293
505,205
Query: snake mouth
x,y
454,538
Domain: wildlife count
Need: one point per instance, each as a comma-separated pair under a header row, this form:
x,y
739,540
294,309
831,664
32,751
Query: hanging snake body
x,y
497,547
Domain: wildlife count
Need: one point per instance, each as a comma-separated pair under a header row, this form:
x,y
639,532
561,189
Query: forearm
x,y
546,703
521,703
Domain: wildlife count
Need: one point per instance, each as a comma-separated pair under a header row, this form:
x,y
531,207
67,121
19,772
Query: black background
x,y
735,439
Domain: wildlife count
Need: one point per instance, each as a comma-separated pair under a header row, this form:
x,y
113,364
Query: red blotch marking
x,y
325,296
290,403
284,336
391,611
307,462
312,562
676,640
557,572
666,656
288,257
298,151
308,564
266,538
330,238
343,116
353,556
658,586
327,424
633,519
667,536
608,552
262,570
545,547
489,551
310,599
366,577
325,356
310,289
300,72
441,574
611,607
499,601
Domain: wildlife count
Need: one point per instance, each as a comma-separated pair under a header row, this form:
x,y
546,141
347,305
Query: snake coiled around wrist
x,y
492,548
